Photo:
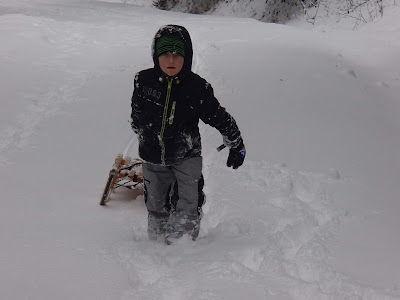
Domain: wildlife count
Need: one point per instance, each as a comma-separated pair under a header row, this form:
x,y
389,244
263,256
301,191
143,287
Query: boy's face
x,y
171,63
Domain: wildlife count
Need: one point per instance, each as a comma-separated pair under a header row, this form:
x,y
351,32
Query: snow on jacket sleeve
x,y
215,115
136,110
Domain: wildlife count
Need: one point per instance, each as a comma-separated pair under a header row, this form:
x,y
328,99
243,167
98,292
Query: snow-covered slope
x,y
312,214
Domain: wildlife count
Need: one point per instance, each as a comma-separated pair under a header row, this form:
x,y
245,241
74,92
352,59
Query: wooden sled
x,y
125,172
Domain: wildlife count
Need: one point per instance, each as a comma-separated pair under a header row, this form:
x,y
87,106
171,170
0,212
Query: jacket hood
x,y
184,34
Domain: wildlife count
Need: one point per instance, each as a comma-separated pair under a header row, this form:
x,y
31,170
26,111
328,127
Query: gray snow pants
x,y
158,181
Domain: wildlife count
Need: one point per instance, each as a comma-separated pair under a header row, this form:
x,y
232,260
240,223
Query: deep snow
x,y
312,214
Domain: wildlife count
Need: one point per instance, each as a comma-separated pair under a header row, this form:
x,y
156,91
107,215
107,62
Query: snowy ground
x,y
312,214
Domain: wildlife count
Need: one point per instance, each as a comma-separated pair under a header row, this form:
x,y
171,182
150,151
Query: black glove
x,y
236,156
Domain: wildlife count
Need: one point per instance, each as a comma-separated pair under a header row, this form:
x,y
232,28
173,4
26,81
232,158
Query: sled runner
x,y
125,172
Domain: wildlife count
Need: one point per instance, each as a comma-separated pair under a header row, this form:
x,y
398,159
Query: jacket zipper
x,y
164,121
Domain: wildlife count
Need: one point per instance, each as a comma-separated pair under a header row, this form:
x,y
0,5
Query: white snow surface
x,y
312,214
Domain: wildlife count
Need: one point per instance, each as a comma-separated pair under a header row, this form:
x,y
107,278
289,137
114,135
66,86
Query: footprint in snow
x,y
350,73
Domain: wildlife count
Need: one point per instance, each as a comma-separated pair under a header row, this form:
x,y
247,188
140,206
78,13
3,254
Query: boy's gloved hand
x,y
236,156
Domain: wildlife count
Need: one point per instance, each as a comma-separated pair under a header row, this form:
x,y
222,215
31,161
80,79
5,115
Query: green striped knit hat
x,y
170,43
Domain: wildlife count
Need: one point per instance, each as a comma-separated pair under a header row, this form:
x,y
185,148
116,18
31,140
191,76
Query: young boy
x,y
167,103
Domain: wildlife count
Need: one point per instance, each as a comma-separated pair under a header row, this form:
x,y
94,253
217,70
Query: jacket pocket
x,y
172,115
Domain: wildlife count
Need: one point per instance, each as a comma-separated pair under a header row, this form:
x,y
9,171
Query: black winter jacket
x,y
166,110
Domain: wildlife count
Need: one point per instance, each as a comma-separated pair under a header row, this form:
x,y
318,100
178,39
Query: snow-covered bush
x,y
276,11
190,6
360,11
281,11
